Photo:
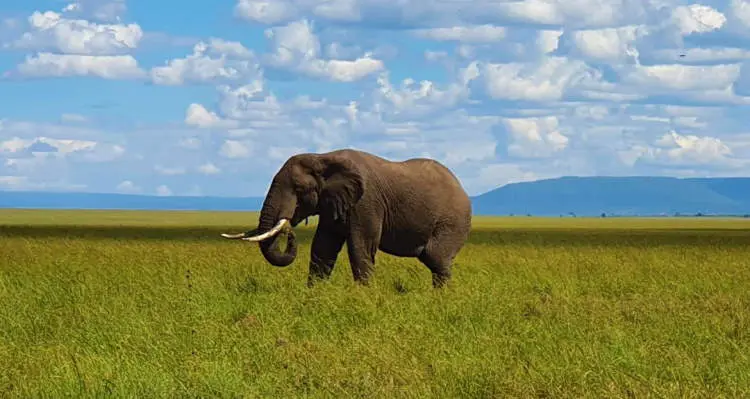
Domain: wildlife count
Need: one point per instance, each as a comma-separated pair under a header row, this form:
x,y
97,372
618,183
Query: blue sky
x,y
209,98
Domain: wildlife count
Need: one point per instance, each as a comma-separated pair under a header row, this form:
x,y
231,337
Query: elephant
x,y
414,208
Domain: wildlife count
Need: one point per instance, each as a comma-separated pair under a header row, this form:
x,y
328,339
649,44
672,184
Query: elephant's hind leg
x,y
438,256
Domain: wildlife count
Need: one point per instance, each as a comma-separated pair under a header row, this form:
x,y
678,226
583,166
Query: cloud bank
x,y
500,92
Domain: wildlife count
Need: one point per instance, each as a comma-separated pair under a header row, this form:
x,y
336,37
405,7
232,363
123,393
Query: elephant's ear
x,y
342,187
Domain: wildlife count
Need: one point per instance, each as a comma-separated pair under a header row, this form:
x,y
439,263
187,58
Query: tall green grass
x,y
156,304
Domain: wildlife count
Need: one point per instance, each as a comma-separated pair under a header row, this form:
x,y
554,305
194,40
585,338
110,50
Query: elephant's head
x,y
307,184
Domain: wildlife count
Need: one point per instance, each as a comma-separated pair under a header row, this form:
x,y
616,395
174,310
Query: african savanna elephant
x,y
415,208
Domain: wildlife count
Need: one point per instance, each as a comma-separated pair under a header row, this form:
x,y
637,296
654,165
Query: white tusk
x,y
233,236
270,233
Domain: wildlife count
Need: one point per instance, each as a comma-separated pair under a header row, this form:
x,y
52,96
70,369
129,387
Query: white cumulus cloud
x,y
215,61
674,77
548,80
534,137
209,169
62,65
697,18
297,48
235,149
51,31
128,187
198,116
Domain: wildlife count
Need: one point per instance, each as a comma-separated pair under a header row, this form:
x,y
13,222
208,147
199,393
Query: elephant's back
x,y
434,186
417,181
434,172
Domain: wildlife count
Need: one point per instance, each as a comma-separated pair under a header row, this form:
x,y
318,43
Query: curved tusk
x,y
270,233
233,236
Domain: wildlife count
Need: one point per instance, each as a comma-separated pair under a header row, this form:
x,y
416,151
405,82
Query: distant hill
x,y
587,196
47,200
582,196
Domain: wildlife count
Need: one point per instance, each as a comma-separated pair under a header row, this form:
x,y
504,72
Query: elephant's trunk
x,y
275,220
270,246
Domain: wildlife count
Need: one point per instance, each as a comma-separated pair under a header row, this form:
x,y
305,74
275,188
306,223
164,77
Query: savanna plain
x,y
157,304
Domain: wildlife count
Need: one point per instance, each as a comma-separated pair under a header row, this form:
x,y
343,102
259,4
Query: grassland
x,y
156,304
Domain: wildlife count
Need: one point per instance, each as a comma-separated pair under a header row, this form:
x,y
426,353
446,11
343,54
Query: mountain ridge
x,y
628,195
567,195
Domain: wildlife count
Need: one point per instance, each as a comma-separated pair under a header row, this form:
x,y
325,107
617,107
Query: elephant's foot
x,y
362,279
439,255
439,266
319,272
362,271
440,279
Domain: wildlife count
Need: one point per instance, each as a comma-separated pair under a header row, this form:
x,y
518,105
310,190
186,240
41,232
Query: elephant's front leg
x,y
323,254
362,245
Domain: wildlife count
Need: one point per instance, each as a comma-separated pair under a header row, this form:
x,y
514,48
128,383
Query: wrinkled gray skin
x,y
416,208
